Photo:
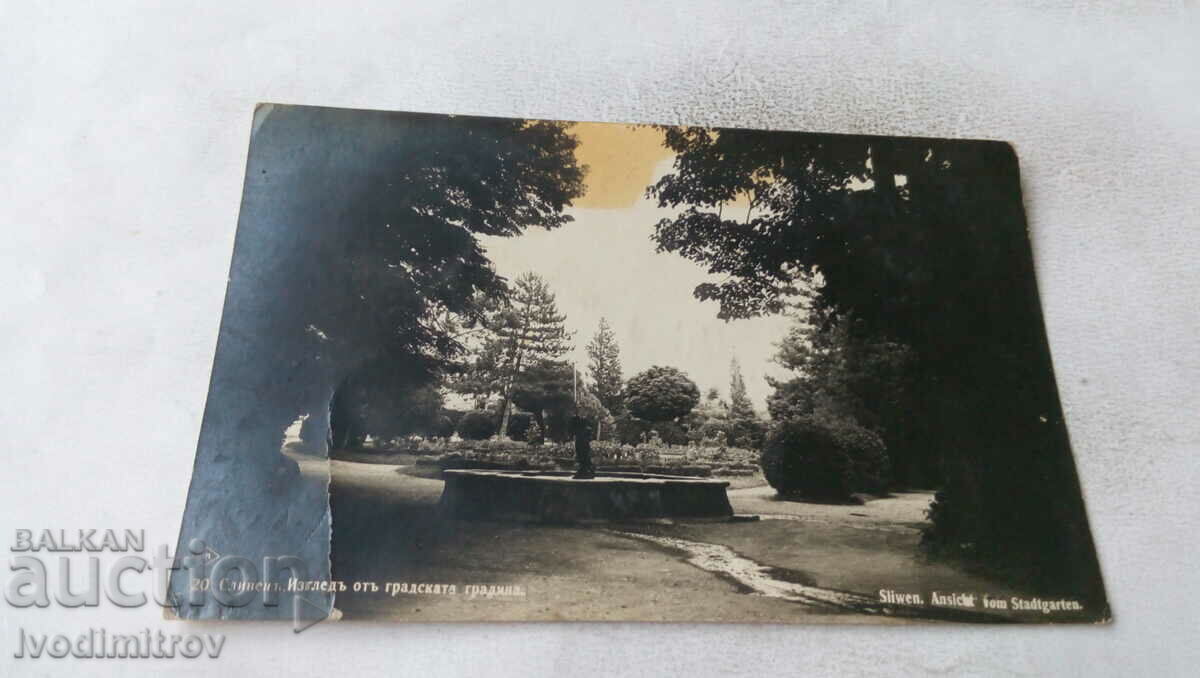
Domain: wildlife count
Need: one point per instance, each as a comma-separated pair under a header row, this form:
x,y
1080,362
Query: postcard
x,y
492,369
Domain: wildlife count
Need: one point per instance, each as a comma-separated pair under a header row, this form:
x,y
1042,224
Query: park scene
x,y
653,373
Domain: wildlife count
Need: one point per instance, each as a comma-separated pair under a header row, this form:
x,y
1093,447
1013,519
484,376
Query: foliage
x,y
630,430
939,263
708,419
633,431
497,453
823,457
380,268
661,394
590,407
743,427
518,426
477,425
558,425
377,402
480,376
408,412
518,334
545,390
446,423
604,367
670,432
868,379
411,267
534,434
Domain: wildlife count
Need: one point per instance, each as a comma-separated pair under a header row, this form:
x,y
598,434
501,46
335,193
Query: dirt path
x,y
386,529
809,562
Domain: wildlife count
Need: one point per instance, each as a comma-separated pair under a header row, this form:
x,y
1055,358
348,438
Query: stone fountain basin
x,y
556,497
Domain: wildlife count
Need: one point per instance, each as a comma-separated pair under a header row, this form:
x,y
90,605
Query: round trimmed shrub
x,y
824,458
477,425
661,394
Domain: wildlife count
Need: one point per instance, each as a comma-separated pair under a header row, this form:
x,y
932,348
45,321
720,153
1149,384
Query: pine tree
x,y
604,367
527,330
745,430
739,400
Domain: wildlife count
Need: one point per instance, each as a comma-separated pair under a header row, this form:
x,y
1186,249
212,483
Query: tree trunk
x,y
506,403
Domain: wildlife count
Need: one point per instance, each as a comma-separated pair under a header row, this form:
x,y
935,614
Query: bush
x,y
671,433
518,426
661,394
534,434
558,426
477,425
748,433
630,429
446,423
824,458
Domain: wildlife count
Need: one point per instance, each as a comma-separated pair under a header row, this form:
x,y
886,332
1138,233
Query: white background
x,y
123,133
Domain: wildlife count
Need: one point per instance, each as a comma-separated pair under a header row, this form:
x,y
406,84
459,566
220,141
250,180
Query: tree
x,y
386,266
604,367
408,412
476,425
446,423
939,262
410,270
709,419
744,428
546,391
868,380
518,426
629,430
588,406
376,401
661,394
739,400
522,329
356,240
480,376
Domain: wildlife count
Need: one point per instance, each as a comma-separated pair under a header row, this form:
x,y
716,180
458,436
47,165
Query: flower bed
x,y
511,455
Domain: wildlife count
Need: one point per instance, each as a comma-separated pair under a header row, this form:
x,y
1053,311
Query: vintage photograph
x,y
489,369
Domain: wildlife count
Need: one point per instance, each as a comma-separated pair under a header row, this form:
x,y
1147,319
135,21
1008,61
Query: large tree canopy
x,y
401,273
924,242
893,227
413,261
356,242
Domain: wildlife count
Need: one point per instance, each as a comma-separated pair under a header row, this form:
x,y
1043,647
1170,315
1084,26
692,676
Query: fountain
x,y
584,496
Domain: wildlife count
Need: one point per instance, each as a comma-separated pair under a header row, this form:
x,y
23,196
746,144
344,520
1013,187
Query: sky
x,y
604,264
